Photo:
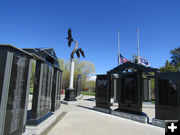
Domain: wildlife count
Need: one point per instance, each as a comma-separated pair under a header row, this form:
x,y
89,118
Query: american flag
x,y
122,59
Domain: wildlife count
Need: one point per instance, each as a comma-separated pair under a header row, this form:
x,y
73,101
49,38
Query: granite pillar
x,y
167,96
56,90
102,92
14,83
79,85
130,93
41,103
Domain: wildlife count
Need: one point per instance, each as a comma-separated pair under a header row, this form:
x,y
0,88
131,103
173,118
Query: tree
x,y
175,58
168,67
85,68
134,59
174,64
32,73
90,85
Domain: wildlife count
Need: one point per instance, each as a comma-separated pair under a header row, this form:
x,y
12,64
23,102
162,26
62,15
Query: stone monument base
x,y
39,120
45,126
139,118
158,122
102,109
69,102
70,95
79,97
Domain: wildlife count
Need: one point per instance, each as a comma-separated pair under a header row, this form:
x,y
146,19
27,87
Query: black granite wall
x,y
15,88
79,85
102,92
41,104
56,90
130,93
167,96
17,95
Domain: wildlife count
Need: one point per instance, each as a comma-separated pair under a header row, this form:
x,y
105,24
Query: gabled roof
x,y
129,65
50,52
44,55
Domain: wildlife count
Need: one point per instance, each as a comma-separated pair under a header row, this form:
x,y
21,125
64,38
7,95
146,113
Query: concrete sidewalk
x,y
80,119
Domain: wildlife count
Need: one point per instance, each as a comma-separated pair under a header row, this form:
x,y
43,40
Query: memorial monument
x,y
47,85
129,86
78,85
14,86
167,97
70,94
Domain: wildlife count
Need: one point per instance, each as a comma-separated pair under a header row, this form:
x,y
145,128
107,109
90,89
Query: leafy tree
x,y
175,58
134,59
90,85
85,68
168,67
174,64
32,73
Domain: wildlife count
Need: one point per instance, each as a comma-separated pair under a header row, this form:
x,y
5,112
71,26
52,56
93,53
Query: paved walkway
x,y
80,119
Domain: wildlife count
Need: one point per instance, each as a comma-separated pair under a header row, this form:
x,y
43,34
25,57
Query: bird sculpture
x,y
75,50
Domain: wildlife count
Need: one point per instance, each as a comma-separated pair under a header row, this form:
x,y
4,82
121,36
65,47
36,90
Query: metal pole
x,y
138,45
118,50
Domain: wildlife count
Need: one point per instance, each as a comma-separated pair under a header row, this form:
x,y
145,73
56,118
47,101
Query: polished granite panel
x,y
130,93
17,95
70,95
79,85
3,56
56,90
167,93
42,90
102,92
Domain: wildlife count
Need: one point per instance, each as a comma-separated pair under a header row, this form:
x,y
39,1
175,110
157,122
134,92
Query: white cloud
x,y
91,78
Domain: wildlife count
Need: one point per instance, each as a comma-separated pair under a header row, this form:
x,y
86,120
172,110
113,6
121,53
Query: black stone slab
x,y
56,90
17,95
3,56
70,95
167,96
130,93
146,89
15,100
79,85
41,104
102,92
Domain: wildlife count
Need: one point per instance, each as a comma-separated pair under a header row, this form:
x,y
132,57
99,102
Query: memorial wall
x,y
15,89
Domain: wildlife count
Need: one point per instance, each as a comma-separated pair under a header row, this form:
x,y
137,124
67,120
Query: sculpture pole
x,y
71,74
72,66
70,94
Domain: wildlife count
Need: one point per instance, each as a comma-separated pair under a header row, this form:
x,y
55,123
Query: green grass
x,y
88,93
31,90
153,101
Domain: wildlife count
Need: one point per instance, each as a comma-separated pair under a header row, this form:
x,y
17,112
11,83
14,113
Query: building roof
x,y
129,65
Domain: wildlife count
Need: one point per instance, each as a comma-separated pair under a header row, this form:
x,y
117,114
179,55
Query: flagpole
x,y
137,44
118,50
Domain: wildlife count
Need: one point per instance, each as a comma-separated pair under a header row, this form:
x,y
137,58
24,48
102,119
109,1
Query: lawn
x,y
31,90
88,93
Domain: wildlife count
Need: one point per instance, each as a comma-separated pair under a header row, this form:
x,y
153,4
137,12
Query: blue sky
x,y
94,23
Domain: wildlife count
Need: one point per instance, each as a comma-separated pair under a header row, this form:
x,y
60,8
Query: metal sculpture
x,y
79,50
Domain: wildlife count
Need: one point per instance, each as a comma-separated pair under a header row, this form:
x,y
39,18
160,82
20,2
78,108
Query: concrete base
x,y
158,122
79,97
37,130
69,102
134,117
102,109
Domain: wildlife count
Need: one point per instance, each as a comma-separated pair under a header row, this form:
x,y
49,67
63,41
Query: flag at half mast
x,y
122,59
